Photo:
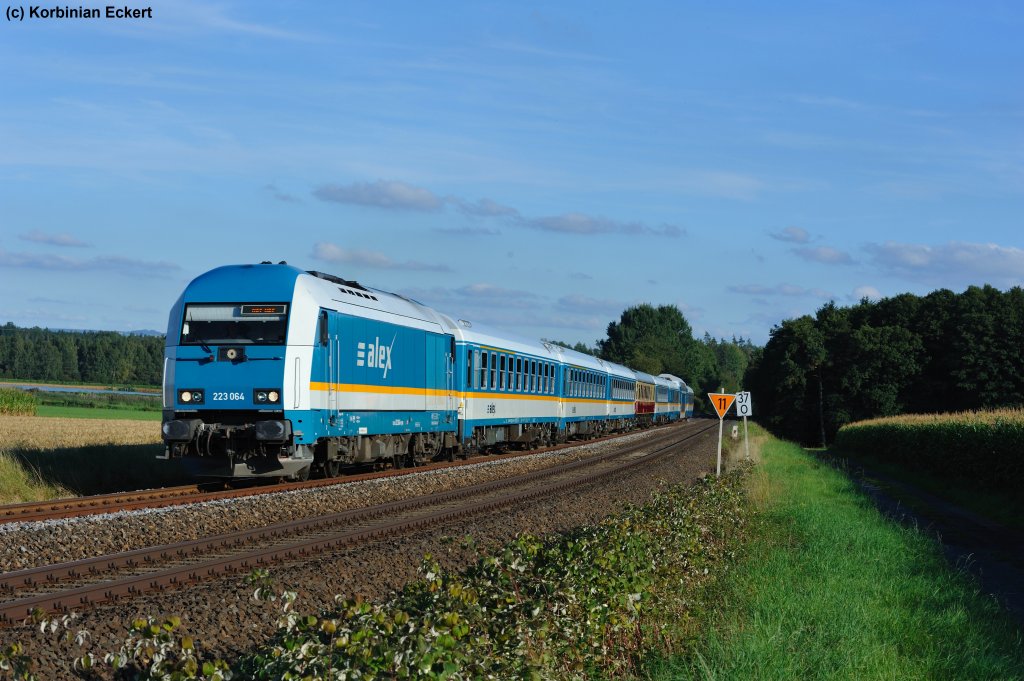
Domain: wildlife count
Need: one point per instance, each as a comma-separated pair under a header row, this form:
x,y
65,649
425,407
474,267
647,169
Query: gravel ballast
x,y
223,617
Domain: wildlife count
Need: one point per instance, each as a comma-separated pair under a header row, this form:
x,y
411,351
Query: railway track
x,y
189,494
83,583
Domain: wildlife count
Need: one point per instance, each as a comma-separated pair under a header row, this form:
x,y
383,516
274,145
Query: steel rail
x,y
13,611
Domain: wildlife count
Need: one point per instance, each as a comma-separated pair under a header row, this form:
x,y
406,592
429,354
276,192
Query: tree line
x,y
659,340
938,353
104,357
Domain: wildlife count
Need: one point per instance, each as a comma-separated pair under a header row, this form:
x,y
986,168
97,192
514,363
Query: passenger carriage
x,y
508,389
644,398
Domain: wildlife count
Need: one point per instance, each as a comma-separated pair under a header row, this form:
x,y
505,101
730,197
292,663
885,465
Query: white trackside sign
x,y
744,407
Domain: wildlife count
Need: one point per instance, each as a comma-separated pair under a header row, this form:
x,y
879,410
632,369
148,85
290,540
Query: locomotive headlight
x,y
266,395
190,396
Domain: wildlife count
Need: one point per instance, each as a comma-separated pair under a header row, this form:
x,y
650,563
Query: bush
x,y
588,604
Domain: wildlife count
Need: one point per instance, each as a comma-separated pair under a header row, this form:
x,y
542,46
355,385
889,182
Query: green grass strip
x,y
830,589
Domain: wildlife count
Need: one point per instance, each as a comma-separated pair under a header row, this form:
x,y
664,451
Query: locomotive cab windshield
x,y
234,324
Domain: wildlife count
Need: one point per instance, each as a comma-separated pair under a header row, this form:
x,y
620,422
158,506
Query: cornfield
x,y
985,448
17,402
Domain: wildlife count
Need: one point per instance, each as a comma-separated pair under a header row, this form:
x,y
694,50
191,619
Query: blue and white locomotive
x,y
271,371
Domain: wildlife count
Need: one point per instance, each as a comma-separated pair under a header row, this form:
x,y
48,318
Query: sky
x,y
535,166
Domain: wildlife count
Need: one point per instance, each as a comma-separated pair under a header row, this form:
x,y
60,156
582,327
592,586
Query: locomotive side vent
x,y
356,293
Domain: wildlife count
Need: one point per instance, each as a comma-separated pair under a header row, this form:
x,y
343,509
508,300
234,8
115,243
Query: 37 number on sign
x,y
744,407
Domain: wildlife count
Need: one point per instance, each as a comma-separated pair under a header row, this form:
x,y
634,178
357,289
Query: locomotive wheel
x,y
332,469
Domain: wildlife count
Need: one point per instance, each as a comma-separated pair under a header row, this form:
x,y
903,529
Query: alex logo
x,y
376,355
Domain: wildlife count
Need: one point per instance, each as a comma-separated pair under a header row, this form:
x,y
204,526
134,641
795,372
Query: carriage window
x,y
533,375
479,372
501,374
494,369
519,373
483,372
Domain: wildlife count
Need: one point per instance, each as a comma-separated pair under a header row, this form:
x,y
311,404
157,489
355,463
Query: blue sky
x,y
539,166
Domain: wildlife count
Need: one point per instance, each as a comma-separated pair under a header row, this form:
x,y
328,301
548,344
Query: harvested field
x,y
43,433
44,458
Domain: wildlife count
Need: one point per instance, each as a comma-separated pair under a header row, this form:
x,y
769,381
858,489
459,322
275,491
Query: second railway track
x,y
69,586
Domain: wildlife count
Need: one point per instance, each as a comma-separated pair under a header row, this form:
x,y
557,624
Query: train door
x,y
330,364
450,378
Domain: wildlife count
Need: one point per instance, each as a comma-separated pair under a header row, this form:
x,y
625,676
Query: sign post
x,y
744,408
721,402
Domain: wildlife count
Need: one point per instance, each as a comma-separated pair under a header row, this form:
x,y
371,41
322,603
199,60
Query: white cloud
x,y
328,252
381,194
795,235
397,195
721,184
468,231
586,305
825,255
484,208
280,195
106,263
952,263
475,300
190,16
791,290
41,237
869,292
581,223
